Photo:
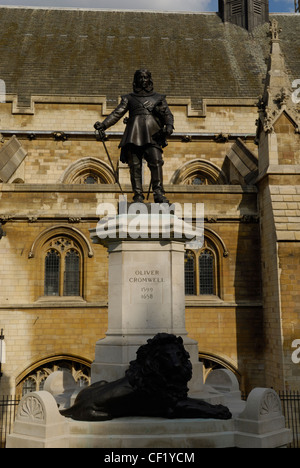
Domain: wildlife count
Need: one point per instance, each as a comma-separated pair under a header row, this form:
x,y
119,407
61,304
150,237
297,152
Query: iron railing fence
x,y
290,401
8,410
290,405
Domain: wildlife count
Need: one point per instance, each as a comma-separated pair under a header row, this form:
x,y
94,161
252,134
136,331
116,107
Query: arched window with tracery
x,y
202,271
63,268
199,173
34,379
60,254
88,171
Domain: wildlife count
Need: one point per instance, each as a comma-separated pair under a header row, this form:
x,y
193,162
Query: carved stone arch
x,y
60,230
213,361
47,365
199,168
18,180
217,241
88,166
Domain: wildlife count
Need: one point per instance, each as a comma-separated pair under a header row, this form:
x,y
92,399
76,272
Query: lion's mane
x,y
147,373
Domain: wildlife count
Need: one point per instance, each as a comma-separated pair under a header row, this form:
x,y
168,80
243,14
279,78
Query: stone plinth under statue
x,y
146,292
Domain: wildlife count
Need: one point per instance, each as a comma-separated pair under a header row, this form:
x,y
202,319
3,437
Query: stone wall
x,y
46,202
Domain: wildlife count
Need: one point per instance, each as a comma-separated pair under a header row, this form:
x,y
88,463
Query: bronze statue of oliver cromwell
x,y
150,122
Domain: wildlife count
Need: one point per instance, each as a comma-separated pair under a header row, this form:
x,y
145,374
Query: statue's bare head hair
x,y
136,88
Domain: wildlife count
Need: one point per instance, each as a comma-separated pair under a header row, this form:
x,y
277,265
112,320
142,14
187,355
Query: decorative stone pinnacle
x,y
274,30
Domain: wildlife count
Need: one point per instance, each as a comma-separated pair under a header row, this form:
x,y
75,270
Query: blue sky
x,y
278,6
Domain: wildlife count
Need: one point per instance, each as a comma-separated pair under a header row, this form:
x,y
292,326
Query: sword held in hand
x,y
101,136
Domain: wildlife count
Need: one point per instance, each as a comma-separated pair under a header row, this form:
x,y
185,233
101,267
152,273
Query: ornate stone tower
x,y
245,13
278,135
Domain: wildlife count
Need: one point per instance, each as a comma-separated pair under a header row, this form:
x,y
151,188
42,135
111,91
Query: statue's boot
x,y
157,182
136,180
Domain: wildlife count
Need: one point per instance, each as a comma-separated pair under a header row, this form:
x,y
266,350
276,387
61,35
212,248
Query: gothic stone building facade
x,y
231,83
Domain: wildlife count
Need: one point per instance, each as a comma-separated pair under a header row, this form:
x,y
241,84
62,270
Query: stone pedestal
x,y
257,423
146,291
146,297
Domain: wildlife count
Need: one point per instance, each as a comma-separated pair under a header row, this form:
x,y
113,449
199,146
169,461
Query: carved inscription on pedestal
x,y
146,284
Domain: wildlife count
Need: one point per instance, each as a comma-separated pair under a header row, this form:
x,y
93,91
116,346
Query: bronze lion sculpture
x,y
155,385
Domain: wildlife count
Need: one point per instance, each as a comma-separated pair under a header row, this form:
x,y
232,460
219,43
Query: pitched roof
x,y
95,52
